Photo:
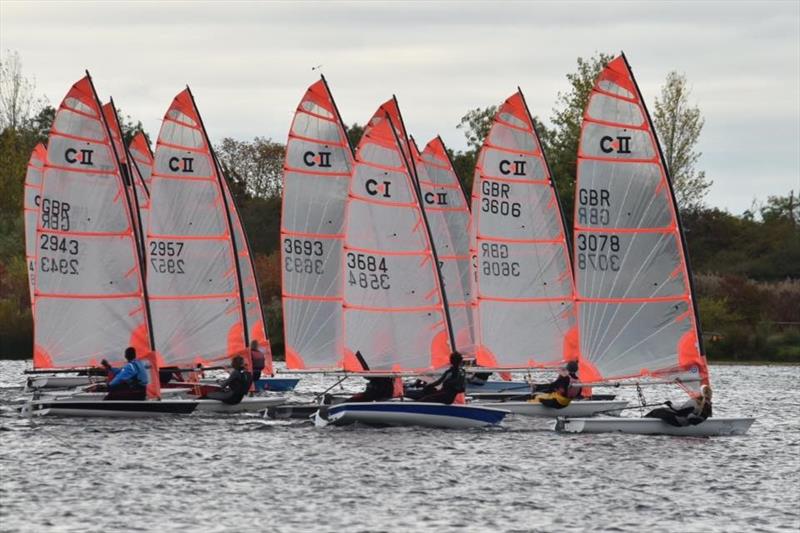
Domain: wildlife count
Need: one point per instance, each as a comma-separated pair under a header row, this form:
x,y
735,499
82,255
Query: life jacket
x,y
258,358
573,391
456,381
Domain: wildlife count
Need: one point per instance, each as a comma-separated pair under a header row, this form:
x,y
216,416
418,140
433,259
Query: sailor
x,y
693,411
234,388
259,360
453,382
560,392
129,383
378,389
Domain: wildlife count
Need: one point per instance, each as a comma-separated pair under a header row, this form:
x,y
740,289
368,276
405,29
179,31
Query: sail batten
x,y
525,310
635,300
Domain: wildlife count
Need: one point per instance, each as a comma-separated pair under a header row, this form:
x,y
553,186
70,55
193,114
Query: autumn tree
x,y
256,166
679,124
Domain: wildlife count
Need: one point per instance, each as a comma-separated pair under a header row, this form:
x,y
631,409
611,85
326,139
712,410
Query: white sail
x,y
635,302
192,272
90,301
142,169
394,312
525,313
32,200
317,170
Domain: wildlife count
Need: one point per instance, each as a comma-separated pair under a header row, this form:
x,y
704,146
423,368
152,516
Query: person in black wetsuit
x,y
692,412
560,392
378,389
453,382
236,386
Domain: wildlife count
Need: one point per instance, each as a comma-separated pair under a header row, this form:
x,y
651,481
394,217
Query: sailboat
x,y
32,200
202,290
395,313
636,304
525,310
90,298
141,158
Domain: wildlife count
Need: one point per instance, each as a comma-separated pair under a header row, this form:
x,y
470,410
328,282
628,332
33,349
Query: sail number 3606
x,y
367,271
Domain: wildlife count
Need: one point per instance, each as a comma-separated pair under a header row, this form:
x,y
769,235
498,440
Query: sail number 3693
x,y
302,256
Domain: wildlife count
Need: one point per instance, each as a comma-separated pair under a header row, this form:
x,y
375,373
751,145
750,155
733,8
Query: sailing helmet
x,y
572,366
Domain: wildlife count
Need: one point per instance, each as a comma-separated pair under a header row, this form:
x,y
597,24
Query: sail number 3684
x,y
367,271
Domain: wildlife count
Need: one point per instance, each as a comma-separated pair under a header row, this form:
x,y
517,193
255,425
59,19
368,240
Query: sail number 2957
x,y
598,252
165,257
367,271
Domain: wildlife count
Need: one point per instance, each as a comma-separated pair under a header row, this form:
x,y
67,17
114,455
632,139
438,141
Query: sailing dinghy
x,y
395,312
524,315
636,304
200,277
90,299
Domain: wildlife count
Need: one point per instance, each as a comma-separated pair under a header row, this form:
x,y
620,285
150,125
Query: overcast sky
x,y
249,63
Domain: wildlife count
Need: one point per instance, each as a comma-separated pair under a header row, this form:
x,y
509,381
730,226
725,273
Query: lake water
x,y
243,473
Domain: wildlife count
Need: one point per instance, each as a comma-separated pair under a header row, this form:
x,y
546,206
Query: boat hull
x,y
434,415
65,382
247,405
499,386
111,408
277,384
713,427
578,408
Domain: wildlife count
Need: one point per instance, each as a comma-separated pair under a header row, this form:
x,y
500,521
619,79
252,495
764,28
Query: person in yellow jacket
x,y
560,392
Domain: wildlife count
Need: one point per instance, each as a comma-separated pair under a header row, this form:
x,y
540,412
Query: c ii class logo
x,y
317,159
517,168
181,164
82,156
621,145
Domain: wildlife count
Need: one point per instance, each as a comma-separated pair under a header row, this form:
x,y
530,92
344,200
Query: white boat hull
x,y
434,415
87,407
713,427
247,405
65,382
578,408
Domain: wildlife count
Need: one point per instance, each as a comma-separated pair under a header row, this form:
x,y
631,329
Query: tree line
x,y
747,267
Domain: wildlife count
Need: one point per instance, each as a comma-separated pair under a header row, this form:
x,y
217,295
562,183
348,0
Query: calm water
x,y
240,473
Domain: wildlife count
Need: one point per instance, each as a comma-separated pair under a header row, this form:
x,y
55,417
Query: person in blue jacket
x,y
129,383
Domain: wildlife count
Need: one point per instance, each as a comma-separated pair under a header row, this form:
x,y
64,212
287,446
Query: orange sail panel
x,y
192,271
90,298
317,170
32,201
448,214
635,303
394,311
525,315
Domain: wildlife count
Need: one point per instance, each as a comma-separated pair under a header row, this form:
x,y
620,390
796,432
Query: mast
x,y
338,115
684,247
230,223
139,245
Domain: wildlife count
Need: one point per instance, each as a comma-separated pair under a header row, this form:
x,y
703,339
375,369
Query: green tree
x,y
476,124
255,168
679,125
354,133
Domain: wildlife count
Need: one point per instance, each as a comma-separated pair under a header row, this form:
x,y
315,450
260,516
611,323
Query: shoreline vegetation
x,y
746,267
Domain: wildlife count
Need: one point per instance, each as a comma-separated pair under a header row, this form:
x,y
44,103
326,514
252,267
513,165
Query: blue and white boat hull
x,y
393,413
